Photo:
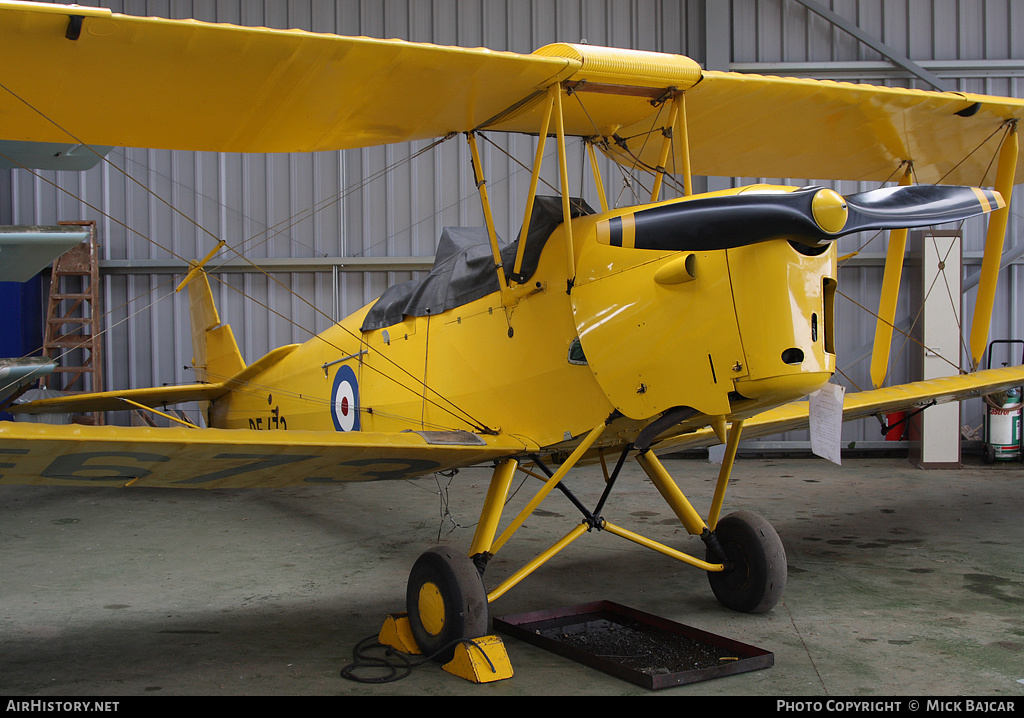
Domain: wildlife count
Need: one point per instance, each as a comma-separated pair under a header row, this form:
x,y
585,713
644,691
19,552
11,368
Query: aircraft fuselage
x,y
723,332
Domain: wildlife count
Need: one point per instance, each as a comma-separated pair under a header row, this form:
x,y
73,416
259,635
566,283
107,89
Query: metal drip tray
x,y
643,649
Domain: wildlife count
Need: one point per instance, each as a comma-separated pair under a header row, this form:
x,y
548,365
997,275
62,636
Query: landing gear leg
x,y
750,575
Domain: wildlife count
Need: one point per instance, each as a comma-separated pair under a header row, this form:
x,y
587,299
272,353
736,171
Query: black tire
x,y
756,578
988,454
446,602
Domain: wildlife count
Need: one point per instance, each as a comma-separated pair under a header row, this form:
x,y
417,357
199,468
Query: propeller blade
x,y
811,215
917,206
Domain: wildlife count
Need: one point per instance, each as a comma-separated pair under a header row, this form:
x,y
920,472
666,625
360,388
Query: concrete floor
x,y
901,582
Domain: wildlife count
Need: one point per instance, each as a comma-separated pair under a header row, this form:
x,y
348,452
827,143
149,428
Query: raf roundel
x,y
345,400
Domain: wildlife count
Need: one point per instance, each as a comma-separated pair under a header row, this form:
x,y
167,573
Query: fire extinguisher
x,y
1003,419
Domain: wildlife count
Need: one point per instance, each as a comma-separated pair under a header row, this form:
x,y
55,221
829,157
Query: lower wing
x,y
862,404
72,455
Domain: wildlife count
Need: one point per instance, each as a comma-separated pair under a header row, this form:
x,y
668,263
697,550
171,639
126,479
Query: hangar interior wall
x,y
336,228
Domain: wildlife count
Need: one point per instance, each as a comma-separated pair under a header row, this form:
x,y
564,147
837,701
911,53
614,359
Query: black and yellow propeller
x,y
814,216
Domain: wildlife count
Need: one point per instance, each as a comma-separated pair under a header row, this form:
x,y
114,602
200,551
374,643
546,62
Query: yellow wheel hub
x,y
431,608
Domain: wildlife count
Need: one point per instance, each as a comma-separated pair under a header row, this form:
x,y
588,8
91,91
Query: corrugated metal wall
x,y
299,210
973,47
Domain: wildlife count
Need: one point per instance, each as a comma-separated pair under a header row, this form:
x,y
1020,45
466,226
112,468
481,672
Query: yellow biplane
x,y
597,336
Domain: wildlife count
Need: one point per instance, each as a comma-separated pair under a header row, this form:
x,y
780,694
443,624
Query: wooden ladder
x,y
72,333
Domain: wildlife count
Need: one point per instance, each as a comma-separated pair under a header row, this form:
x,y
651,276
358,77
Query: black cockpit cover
x,y
464,270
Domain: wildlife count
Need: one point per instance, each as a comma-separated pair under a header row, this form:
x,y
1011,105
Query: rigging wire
x,y
344,193
629,177
111,327
281,227
479,426
148,168
880,232
468,418
907,335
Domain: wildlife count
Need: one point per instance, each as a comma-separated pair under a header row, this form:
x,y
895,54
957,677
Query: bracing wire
x,y
451,408
908,334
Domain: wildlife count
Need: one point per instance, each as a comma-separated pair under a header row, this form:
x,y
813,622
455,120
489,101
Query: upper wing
x,y
230,458
741,125
862,404
182,84
755,126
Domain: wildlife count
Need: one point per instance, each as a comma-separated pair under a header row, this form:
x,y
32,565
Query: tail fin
x,y
215,355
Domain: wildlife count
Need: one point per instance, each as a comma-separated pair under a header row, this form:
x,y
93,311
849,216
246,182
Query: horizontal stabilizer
x,y
151,396
115,400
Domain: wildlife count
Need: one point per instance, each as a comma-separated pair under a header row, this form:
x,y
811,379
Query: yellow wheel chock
x,y
396,633
481,660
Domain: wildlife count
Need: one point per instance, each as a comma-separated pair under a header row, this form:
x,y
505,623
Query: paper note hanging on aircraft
x,y
826,421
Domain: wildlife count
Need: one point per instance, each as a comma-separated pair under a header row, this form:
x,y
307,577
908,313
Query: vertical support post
x,y
501,479
481,185
563,171
1005,172
598,183
666,146
724,473
890,291
535,177
684,146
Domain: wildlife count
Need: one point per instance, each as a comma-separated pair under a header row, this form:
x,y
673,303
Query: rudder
x,y
215,355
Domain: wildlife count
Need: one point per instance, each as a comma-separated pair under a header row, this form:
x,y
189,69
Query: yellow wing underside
x,y
183,84
860,405
43,454
221,458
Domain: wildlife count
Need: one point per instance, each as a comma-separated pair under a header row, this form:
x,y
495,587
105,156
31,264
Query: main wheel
x,y
446,602
756,576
